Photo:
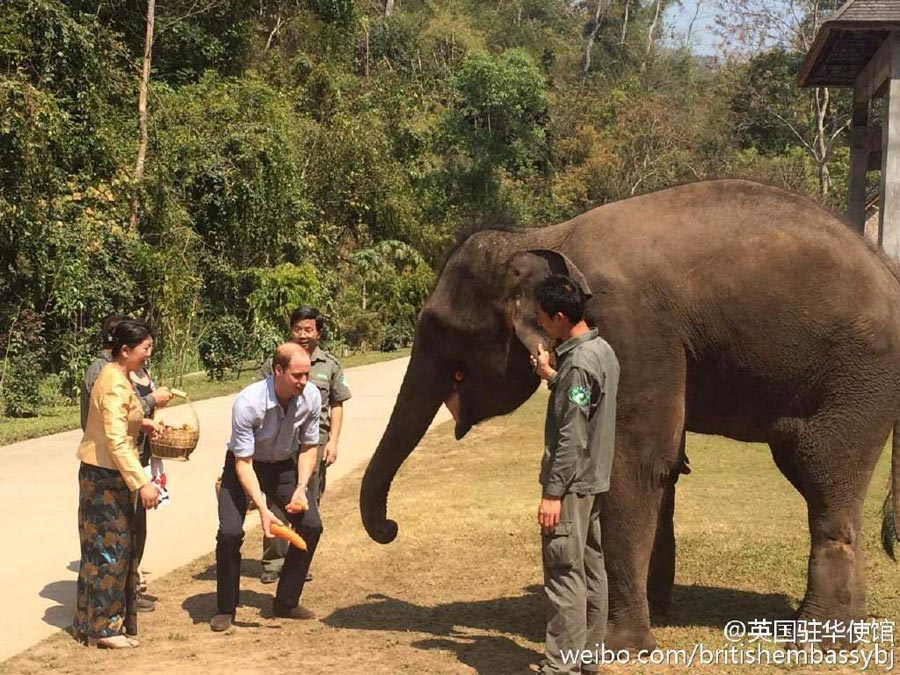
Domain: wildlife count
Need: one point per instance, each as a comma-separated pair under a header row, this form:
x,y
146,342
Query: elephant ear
x,y
526,269
560,264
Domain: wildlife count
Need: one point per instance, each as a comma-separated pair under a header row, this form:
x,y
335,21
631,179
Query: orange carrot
x,y
295,507
288,534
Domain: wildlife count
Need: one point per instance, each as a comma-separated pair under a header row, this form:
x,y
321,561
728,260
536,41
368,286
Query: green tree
x,y
379,307
498,122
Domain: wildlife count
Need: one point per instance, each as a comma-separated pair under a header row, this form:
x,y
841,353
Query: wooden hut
x,y
859,47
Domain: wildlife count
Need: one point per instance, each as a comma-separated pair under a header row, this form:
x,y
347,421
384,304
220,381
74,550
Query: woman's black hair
x,y
129,333
109,325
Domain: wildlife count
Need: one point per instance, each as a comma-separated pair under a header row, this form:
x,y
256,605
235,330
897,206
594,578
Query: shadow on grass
x,y
457,626
519,615
202,607
486,654
714,606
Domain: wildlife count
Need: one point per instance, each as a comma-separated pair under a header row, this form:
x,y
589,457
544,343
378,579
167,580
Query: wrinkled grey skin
x,y
735,309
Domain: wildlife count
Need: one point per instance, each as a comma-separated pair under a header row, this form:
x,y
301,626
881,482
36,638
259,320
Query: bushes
x,y
388,284
22,367
21,382
222,347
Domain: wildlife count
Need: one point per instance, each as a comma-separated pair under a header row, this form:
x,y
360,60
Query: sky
x,y
679,18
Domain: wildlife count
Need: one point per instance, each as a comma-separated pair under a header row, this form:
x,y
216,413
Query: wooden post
x,y
859,162
890,159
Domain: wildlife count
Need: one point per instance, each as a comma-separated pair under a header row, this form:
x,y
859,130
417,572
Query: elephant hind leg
x,y
833,475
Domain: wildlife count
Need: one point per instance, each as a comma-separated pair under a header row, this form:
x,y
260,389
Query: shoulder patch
x,y
579,396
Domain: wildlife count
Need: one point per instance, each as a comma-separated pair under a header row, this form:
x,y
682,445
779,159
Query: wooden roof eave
x,y
830,28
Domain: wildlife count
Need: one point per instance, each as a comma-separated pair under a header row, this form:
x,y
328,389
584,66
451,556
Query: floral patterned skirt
x,y
107,579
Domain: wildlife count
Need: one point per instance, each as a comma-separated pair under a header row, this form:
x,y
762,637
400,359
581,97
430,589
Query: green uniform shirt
x,y
580,429
327,374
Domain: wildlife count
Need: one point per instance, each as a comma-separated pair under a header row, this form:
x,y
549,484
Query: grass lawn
x,y
459,590
53,419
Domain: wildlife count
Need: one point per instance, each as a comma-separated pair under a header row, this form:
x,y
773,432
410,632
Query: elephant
x,y
736,309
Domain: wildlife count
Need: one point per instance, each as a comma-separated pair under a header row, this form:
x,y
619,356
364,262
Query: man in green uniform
x,y
328,375
579,439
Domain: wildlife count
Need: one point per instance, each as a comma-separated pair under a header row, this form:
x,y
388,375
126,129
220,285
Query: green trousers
x,y
574,583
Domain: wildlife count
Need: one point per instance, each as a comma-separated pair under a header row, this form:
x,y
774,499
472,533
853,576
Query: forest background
x,y
331,152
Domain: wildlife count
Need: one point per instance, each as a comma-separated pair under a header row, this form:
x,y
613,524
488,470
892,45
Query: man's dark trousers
x,y
277,480
274,550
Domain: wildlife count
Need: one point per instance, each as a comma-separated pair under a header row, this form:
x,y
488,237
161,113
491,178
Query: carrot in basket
x,y
288,534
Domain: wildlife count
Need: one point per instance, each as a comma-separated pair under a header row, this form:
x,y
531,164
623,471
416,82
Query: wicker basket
x,y
175,443
181,432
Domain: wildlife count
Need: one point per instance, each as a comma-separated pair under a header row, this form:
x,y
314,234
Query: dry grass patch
x,y
458,591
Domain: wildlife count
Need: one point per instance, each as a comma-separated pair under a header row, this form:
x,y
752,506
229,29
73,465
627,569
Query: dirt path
x,y
38,503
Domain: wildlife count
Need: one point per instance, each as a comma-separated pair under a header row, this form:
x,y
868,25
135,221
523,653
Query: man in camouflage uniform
x,y
579,440
328,375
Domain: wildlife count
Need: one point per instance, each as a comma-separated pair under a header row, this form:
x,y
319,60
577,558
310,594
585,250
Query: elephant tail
x,y
890,510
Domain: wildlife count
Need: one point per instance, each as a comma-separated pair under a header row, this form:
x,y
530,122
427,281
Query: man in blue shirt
x,y
269,419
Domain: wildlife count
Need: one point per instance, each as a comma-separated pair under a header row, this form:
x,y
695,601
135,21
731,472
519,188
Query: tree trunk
x,y
388,7
142,113
365,24
602,8
651,35
823,99
690,30
625,22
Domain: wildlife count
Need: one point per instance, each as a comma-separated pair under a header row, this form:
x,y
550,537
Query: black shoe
x,y
221,622
144,604
269,577
298,612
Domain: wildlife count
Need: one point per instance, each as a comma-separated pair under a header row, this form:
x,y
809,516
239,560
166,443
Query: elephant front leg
x,y
629,513
661,576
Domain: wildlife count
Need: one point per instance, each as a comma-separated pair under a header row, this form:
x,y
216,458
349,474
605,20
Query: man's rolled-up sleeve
x,y
572,400
243,420
339,391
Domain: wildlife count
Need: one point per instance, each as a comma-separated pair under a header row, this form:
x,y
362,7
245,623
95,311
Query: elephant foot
x,y
810,617
630,638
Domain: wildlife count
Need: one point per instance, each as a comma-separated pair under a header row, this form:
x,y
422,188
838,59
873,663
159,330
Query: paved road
x,y
39,497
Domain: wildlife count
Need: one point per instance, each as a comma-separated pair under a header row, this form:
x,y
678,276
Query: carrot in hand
x,y
296,507
288,535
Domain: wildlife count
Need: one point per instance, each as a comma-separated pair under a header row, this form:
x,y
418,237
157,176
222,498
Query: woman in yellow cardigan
x,y
111,480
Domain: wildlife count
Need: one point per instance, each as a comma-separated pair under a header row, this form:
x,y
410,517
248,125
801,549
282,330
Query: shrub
x,y
222,347
21,386
21,373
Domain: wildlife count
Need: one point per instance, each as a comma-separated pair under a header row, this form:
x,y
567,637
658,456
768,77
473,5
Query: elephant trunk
x,y
425,386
